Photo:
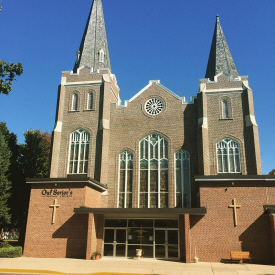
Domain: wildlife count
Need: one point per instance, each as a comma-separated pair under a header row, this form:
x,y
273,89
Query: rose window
x,y
153,106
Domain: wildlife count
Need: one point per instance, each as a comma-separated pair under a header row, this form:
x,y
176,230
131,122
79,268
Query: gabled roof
x,y
157,82
220,59
94,41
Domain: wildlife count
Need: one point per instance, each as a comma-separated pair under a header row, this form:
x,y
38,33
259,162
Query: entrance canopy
x,y
141,212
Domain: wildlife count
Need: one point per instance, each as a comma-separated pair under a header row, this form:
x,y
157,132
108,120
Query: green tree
x,y
8,71
19,200
35,154
5,184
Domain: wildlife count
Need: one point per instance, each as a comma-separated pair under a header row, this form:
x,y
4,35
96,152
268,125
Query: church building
x,y
174,178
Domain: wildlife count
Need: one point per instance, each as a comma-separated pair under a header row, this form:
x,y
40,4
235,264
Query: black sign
x,y
56,193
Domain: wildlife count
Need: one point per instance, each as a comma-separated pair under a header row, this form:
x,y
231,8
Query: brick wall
x,y
67,237
215,235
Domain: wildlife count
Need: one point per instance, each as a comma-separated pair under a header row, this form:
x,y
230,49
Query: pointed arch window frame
x,y
79,152
180,157
74,102
225,109
228,156
127,179
143,152
90,100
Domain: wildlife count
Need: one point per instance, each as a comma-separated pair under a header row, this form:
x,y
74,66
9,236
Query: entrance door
x,y
166,244
115,242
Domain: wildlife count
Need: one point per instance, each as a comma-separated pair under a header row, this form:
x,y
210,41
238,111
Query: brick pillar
x,y
202,136
184,234
91,237
272,227
94,235
99,226
187,238
182,238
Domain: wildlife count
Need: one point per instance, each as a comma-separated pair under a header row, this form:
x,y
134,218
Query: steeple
x,y
93,50
220,59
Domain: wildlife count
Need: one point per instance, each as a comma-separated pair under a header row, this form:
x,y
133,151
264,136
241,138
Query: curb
x,y
33,271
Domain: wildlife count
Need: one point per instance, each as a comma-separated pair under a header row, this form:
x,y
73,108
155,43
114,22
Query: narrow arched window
x,y
225,109
125,180
79,152
182,179
228,156
90,101
74,102
101,56
153,181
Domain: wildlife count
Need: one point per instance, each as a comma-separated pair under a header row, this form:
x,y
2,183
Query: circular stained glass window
x,y
153,106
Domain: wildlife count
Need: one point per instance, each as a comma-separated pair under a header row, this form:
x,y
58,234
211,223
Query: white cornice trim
x,y
236,179
87,67
83,83
230,90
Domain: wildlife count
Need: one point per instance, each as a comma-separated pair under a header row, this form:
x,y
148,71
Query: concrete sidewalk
x,y
127,266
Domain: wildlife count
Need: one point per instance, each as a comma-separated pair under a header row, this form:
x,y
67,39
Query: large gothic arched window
x,y
182,178
153,181
228,156
79,151
125,180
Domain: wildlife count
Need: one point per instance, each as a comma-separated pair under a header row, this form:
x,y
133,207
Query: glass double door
x,y
166,244
115,242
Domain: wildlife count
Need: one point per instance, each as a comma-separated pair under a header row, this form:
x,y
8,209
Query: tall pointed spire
x,y
93,50
220,59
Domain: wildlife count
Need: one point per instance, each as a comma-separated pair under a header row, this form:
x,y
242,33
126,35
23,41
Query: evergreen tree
x,y
5,184
35,154
19,200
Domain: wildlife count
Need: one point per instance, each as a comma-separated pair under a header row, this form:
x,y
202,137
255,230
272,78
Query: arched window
x,y
153,182
79,152
228,156
125,180
74,102
90,101
101,56
182,179
225,109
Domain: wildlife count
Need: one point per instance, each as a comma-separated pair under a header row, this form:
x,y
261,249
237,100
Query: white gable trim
x,y
157,82
141,91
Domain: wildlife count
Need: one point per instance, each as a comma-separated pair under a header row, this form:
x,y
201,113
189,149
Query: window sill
x,y
89,110
226,119
71,111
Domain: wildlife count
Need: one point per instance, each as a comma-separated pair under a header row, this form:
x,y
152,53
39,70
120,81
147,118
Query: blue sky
x,y
167,40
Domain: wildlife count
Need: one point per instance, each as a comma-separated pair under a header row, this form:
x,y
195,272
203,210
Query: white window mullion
x,y
79,152
126,175
119,170
158,171
182,179
149,169
74,155
234,159
222,158
84,155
